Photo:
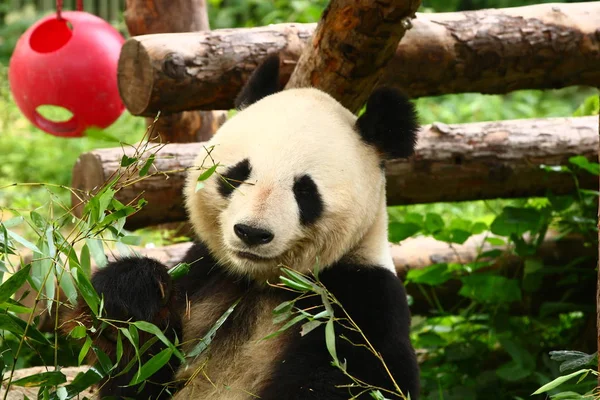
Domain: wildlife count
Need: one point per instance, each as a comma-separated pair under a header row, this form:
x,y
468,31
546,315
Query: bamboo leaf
x,y
208,173
152,366
52,378
88,292
310,326
207,339
13,283
84,350
151,328
144,170
330,341
560,380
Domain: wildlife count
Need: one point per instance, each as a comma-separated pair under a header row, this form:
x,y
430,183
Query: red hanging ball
x,y
70,63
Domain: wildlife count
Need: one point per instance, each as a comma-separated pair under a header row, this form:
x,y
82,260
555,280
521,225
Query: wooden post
x,y
175,16
353,43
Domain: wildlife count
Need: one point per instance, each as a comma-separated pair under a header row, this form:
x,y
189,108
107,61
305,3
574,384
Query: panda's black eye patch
x,y
308,199
234,177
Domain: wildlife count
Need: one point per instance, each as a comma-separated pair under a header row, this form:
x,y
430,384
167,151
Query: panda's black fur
x,y
300,368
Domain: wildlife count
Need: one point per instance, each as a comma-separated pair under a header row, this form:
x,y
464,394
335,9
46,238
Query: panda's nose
x,y
252,236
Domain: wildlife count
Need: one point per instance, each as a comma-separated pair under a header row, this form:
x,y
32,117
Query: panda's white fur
x,y
299,131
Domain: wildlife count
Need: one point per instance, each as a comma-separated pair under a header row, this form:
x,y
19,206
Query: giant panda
x,y
300,180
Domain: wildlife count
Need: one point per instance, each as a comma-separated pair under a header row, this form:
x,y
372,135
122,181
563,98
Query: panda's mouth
x,y
251,256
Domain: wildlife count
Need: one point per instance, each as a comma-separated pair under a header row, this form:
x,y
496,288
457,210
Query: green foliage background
x,y
482,347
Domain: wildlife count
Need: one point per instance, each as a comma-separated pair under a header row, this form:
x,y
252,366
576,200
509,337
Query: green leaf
x,y
86,264
152,366
82,381
151,328
299,278
88,292
479,227
67,285
458,236
23,241
285,327
583,163
127,161
433,222
144,170
495,241
560,380
486,288
310,326
330,341
561,203
15,307
572,359
208,173
398,231
295,285
284,307
17,326
516,221
84,350
97,252
12,284
78,332
207,339
105,363
119,347
179,271
42,379
433,275
590,106
513,372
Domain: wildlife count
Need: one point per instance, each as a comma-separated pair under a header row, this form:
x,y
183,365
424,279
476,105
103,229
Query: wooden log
x,y
489,51
31,392
350,47
452,163
173,16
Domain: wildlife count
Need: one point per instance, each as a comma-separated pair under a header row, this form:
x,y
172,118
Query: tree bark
x,y
174,16
352,44
452,163
489,51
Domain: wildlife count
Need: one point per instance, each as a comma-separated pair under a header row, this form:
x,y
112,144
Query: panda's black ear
x,y
262,82
389,123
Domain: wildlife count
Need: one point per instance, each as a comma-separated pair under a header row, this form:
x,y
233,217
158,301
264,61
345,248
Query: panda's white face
x,y
302,185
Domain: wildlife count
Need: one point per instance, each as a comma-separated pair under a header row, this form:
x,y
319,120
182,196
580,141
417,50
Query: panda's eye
x,y
234,177
308,198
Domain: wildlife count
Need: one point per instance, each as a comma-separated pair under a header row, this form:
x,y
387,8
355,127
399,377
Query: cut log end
x,y
135,76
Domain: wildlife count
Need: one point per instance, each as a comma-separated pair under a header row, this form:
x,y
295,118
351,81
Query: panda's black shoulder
x,y
375,299
374,295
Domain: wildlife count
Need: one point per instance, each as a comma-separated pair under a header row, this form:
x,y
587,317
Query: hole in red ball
x,y
55,119
51,35
54,113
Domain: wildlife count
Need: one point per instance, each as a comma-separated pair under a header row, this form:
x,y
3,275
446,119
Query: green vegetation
x,y
501,338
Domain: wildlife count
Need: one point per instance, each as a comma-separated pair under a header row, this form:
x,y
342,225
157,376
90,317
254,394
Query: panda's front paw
x,y
136,288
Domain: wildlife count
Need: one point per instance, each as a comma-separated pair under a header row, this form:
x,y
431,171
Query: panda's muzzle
x,y
252,236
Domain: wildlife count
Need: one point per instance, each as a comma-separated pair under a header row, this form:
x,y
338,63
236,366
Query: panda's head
x,y
299,178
